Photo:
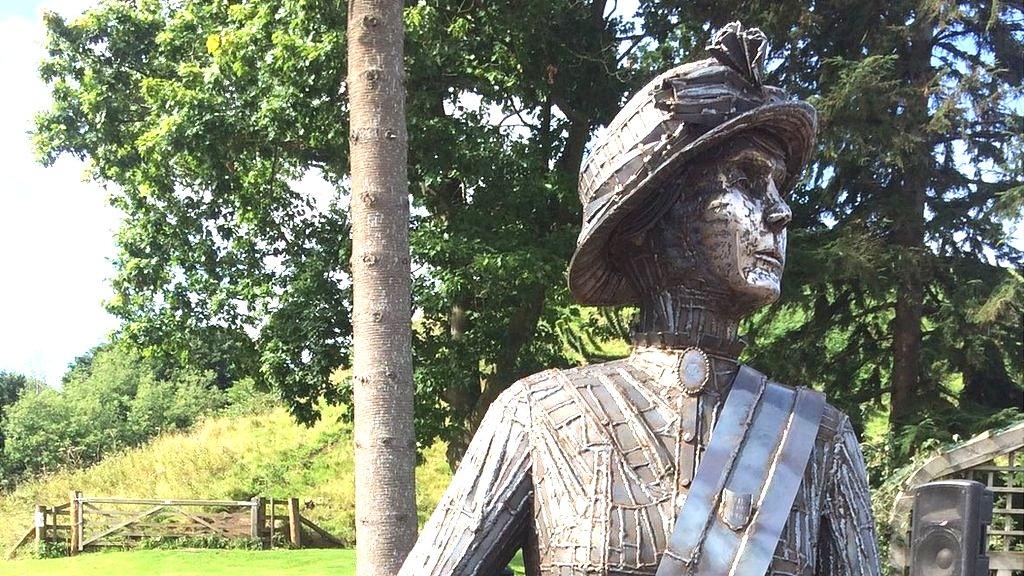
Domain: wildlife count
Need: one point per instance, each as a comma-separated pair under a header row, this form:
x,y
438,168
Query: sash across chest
x,y
746,482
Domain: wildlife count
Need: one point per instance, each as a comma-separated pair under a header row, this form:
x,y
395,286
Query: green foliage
x,y
117,402
906,206
81,366
176,404
207,541
12,386
38,433
244,398
50,550
204,115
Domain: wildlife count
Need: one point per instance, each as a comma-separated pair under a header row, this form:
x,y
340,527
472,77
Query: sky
x,y
56,228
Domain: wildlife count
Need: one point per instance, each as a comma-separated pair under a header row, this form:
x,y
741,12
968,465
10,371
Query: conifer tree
x,y
901,276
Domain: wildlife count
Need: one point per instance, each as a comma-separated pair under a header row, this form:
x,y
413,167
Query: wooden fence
x,y
88,522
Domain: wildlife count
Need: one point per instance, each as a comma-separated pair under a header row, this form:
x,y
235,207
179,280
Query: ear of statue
x,y
672,239
636,260
638,248
631,247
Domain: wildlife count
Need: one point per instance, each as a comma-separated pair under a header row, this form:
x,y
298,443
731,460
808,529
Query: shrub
x,y
245,398
117,402
39,434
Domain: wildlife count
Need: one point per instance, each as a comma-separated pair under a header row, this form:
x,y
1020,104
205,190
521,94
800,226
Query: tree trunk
x,y
518,333
385,454
908,233
906,354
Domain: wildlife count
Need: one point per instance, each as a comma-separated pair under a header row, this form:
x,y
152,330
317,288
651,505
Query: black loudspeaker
x,y
950,529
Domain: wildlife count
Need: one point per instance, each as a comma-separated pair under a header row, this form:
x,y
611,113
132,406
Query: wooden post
x,y
294,523
76,522
257,519
40,519
273,521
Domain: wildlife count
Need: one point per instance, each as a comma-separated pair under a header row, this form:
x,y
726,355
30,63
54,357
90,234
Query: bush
x,y
12,385
210,541
39,435
245,398
116,402
171,404
50,550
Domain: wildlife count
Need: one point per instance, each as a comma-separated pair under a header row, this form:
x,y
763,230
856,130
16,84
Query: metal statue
x,y
677,460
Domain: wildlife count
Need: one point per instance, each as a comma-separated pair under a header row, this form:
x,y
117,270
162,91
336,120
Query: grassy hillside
x,y
232,457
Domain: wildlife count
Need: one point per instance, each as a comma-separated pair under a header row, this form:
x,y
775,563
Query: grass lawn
x,y
195,563
190,563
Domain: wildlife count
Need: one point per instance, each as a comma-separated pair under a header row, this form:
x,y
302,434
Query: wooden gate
x,y
87,522
122,522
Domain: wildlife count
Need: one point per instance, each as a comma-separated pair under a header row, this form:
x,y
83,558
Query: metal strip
x,y
687,441
701,501
747,480
785,476
654,451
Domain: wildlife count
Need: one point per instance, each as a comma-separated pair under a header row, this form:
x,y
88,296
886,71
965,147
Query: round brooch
x,y
694,370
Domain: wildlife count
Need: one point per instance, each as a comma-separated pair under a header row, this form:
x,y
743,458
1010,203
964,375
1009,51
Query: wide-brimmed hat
x,y
680,114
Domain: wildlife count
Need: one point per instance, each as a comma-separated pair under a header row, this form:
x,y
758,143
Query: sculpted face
x,y
727,233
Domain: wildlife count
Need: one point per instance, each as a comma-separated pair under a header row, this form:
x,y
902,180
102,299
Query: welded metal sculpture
x,y
676,460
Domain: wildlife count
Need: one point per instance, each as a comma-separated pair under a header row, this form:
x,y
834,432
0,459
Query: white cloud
x,y
56,231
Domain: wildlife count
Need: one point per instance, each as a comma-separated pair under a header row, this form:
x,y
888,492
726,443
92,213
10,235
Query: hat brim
x,y
592,278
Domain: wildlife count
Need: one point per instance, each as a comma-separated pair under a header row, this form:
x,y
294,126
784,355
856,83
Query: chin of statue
x,y
761,289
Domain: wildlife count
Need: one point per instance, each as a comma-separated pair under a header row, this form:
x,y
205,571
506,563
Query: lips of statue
x,y
732,227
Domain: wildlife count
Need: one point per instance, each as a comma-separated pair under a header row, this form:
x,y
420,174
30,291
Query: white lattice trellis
x,y
996,459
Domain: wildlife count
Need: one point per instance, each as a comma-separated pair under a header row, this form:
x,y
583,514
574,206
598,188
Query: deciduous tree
x,y
201,117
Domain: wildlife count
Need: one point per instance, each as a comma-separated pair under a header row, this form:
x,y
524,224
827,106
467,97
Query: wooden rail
x,y
86,522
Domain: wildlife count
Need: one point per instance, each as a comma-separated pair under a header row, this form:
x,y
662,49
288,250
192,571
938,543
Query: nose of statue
x,y
777,214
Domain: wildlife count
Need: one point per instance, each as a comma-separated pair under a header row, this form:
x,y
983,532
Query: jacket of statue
x,y
585,471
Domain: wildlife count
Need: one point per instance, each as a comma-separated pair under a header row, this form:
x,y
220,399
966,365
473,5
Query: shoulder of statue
x,y
833,420
561,375
551,388
521,390
538,380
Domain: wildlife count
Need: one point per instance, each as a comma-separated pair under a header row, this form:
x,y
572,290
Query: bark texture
x,y
382,358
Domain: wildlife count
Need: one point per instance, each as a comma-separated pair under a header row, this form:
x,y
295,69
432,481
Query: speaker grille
x,y
939,553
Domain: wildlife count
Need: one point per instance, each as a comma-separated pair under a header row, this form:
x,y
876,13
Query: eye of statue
x,y
740,182
779,176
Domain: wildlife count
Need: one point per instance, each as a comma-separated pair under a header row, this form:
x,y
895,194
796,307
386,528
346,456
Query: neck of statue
x,y
682,318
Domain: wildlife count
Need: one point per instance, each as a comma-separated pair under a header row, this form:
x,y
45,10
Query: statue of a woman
x,y
676,460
